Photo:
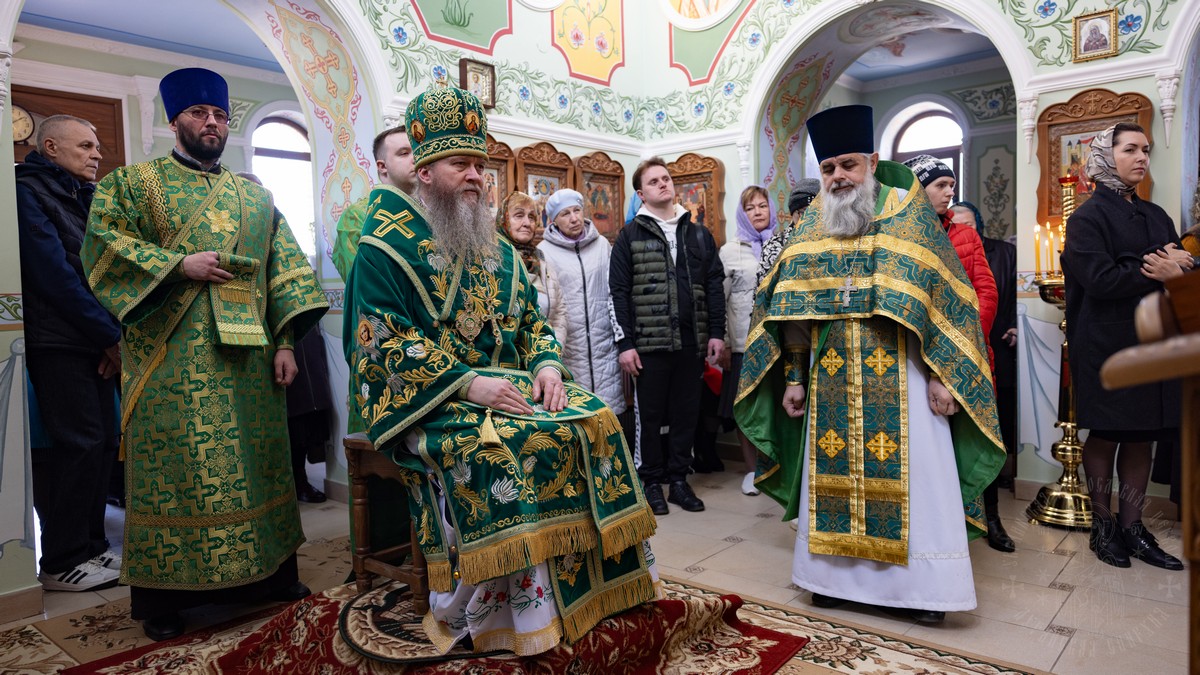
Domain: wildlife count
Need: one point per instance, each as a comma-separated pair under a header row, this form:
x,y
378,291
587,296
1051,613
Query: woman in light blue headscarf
x,y
756,222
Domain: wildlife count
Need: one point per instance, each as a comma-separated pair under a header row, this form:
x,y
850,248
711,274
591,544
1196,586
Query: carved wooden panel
x,y
104,113
1064,131
498,181
601,181
542,169
700,188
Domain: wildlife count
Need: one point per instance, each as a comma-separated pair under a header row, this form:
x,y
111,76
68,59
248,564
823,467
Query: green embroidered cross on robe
x,y
211,501
520,489
862,295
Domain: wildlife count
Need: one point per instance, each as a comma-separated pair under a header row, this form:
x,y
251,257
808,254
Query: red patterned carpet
x,y
692,634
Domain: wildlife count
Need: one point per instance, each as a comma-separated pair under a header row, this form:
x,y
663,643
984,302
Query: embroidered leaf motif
x,y
504,490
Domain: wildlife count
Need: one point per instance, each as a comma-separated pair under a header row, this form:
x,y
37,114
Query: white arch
x,y
986,19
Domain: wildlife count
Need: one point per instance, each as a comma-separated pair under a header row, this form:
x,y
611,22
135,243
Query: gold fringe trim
x,y
601,425
634,528
441,577
522,644
605,603
518,552
438,633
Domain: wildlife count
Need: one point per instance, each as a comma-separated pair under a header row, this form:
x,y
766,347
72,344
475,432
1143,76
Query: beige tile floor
x,y
1051,605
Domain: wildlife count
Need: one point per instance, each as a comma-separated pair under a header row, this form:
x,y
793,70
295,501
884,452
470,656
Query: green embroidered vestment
x,y
862,295
520,490
212,502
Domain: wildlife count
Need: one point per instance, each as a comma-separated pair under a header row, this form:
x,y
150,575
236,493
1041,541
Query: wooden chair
x,y
362,461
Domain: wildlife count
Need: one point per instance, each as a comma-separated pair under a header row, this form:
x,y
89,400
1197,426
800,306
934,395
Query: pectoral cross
x,y
846,290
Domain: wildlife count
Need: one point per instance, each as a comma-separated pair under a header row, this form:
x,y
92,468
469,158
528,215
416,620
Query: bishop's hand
x,y
941,401
498,393
548,388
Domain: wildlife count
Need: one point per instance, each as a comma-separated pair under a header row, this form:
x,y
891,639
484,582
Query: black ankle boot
x,y
1143,546
997,537
1107,542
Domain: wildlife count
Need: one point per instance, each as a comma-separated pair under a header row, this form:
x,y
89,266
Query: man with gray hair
x,y
885,467
73,351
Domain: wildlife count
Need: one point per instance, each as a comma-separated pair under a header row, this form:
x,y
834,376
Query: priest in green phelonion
x,y
867,390
212,292
525,499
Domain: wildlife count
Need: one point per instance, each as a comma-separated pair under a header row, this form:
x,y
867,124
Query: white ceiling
x,y
203,28
209,29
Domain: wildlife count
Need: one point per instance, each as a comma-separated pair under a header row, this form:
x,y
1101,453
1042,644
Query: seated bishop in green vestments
x,y
211,509
528,509
867,390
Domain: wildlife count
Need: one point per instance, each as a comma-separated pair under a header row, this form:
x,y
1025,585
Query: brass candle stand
x,y
1065,503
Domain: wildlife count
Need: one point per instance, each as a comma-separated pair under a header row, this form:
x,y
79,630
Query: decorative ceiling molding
x,y
459,6
171,59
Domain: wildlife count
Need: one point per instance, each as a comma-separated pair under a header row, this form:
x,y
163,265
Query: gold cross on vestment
x,y
220,221
846,290
393,221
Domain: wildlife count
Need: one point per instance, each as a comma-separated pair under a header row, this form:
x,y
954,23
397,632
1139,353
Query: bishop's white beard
x,y
849,214
463,229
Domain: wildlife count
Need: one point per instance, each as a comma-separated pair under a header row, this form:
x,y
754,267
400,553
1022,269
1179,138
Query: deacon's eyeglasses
x,y
200,115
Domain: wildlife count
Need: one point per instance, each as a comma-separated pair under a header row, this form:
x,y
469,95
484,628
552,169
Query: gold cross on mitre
x,y
220,221
393,221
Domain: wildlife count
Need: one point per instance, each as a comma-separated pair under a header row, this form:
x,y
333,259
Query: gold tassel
x,y
516,553
487,432
440,578
611,600
633,529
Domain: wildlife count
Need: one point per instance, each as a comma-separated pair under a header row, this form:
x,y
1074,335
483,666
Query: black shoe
x,y
927,616
654,498
1107,542
305,492
163,627
826,601
998,538
1143,546
681,494
297,591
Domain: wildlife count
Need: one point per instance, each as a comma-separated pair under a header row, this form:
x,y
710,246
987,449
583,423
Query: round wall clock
x,y
23,124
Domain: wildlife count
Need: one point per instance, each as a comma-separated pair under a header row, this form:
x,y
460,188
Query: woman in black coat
x,y
1119,248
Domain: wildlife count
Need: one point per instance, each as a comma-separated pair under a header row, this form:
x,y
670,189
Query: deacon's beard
x,y
849,214
463,229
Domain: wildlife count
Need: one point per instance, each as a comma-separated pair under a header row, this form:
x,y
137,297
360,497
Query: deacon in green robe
x,y
867,390
524,496
212,292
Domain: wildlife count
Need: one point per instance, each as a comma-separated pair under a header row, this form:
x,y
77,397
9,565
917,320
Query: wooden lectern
x,y
1168,324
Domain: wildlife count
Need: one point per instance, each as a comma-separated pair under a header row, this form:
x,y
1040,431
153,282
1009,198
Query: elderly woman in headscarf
x,y
580,255
756,222
1119,248
516,220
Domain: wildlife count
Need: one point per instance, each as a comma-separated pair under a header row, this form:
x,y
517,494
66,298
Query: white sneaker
x,y
110,559
794,523
748,485
86,576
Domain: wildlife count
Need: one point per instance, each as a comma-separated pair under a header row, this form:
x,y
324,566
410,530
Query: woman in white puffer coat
x,y
579,255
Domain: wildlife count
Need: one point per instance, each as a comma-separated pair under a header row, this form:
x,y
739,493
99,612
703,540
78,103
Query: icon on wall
x,y
479,78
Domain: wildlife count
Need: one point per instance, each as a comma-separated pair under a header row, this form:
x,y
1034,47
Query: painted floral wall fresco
x,y
423,43
1046,25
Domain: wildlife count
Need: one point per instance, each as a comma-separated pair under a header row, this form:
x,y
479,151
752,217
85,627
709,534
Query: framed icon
x,y
479,78
1095,36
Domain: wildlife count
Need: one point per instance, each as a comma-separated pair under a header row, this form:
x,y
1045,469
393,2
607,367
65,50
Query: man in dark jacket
x,y
73,354
668,297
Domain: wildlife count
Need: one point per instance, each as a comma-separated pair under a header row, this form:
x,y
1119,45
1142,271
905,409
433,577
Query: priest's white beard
x,y
849,214
463,228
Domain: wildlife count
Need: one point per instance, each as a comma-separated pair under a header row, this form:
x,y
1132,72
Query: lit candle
x,y
1053,265
1037,248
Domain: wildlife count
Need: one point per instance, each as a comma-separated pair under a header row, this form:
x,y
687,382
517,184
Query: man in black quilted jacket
x,y
669,305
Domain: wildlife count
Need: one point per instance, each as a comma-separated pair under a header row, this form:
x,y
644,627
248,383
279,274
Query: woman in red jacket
x,y
938,180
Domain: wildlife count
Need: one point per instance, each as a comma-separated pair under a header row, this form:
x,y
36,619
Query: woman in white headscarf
x,y
1118,248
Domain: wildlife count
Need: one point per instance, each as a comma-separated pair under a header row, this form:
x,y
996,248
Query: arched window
x,y
283,162
934,133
